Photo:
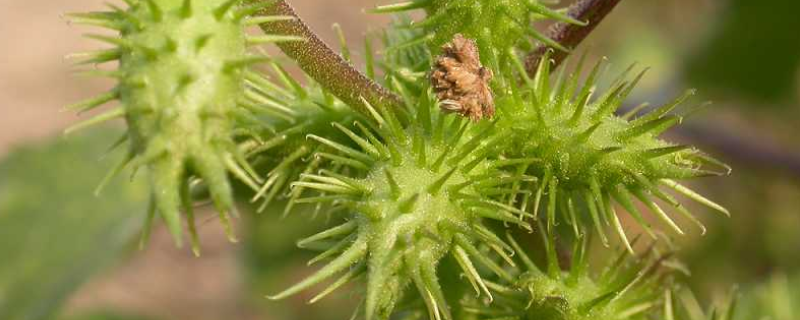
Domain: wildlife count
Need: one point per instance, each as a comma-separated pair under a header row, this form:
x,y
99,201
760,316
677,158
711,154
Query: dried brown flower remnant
x,y
461,82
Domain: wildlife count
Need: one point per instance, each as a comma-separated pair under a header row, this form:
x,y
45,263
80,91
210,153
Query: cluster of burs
x,y
474,198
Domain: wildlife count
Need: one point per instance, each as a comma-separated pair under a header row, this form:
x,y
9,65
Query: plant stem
x,y
570,35
324,65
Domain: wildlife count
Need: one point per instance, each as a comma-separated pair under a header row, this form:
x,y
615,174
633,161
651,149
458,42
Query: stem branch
x,y
324,65
570,35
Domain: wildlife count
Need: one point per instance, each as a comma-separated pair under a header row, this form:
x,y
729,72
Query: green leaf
x,y
54,233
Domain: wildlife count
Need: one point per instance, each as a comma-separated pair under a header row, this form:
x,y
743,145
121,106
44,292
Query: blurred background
x,y
743,55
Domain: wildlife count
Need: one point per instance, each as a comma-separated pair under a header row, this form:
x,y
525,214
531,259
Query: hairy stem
x,y
570,35
320,62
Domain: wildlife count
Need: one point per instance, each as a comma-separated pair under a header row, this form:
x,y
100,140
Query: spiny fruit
x,y
182,66
627,289
498,25
421,195
276,139
587,155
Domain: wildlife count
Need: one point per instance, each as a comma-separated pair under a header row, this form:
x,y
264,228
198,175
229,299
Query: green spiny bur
x,y
586,154
628,288
497,25
181,74
422,195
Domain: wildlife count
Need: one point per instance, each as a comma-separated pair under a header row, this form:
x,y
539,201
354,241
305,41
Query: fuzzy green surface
x,y
628,287
421,197
182,94
586,157
413,179
179,87
422,235
496,24
603,156
553,300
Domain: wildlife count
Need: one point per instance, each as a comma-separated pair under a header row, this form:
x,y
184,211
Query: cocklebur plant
x,y
424,160
181,86
585,154
588,156
277,141
423,194
499,25
401,211
628,287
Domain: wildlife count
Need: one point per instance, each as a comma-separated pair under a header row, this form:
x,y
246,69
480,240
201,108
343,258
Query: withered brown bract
x,y
461,82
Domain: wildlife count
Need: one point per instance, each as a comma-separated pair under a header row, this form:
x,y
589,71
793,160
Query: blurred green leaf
x,y
754,53
273,262
54,233
775,299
